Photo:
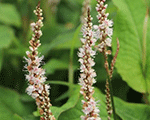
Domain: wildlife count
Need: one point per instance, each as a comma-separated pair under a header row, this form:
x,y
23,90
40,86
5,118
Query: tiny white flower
x,y
30,89
105,6
82,75
47,87
95,27
109,31
108,42
27,53
101,3
82,117
40,33
88,109
32,26
90,60
92,52
31,48
34,95
81,60
83,40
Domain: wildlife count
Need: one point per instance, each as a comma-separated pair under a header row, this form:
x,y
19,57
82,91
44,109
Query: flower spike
x,y
104,33
88,74
37,89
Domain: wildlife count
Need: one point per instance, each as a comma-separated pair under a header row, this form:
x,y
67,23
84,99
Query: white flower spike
x,y
86,55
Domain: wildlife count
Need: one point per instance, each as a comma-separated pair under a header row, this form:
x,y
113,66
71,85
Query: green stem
x,y
60,83
112,99
71,71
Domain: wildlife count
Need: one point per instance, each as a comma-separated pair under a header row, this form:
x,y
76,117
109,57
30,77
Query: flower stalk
x,y
108,100
37,89
88,74
104,32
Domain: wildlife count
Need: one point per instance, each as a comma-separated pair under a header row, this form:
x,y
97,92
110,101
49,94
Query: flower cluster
x,y
103,31
86,5
87,75
36,75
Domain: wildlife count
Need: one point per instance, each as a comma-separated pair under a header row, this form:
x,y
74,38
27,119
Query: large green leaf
x,y
126,111
128,27
75,113
6,35
62,41
71,103
9,15
17,117
72,109
132,111
58,41
11,106
69,40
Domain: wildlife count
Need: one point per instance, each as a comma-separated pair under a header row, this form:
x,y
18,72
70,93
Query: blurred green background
x,y
61,33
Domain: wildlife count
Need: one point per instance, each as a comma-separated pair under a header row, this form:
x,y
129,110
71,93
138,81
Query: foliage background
x,y
60,40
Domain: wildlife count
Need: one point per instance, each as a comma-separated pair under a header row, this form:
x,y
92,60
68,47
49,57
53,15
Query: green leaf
x,y
72,12
63,96
62,41
128,27
17,117
10,104
126,111
70,103
70,38
26,98
55,64
31,117
75,43
72,109
9,15
75,112
36,113
6,35
132,111
58,41
60,83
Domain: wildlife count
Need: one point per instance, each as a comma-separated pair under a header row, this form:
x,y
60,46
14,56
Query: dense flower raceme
x,y
103,30
86,55
36,74
104,33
